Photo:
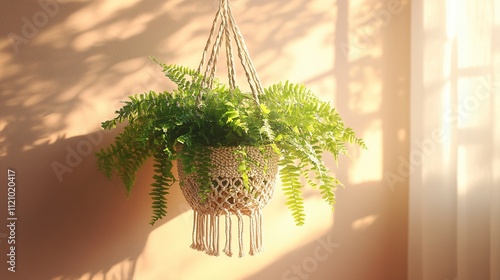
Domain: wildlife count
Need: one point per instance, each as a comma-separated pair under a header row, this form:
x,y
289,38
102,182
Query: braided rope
x,y
209,41
212,63
224,25
246,61
229,52
205,51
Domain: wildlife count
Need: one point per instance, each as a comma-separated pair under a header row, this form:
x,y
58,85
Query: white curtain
x,y
455,148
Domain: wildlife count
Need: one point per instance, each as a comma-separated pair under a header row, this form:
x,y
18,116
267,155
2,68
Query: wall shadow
x,y
83,224
79,225
76,224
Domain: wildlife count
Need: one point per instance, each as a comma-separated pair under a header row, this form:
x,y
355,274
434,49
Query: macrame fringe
x,y
206,235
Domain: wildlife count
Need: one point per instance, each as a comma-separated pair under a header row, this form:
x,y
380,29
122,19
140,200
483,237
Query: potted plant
x,y
287,125
228,143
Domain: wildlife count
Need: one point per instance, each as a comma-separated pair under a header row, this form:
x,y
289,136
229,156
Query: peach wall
x,y
66,65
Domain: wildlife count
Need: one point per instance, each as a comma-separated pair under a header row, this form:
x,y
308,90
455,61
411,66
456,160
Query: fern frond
x,y
305,127
163,180
125,157
196,159
185,78
292,188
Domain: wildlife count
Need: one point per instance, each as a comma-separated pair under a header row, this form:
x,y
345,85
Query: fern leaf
x,y
163,180
290,174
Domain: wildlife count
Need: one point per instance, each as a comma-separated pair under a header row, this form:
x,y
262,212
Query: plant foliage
x,y
298,125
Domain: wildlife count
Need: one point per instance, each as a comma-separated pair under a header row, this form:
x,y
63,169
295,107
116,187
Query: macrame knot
x,y
229,196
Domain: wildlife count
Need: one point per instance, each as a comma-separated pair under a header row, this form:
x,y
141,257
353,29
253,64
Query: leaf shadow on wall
x,y
73,222
82,225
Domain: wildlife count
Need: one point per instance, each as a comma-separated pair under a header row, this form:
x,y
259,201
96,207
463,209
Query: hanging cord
x,y
209,41
244,56
224,25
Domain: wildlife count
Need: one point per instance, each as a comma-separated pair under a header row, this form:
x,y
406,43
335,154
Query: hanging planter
x,y
228,144
231,193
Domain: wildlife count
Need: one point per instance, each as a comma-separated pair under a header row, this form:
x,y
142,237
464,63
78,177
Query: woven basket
x,y
229,196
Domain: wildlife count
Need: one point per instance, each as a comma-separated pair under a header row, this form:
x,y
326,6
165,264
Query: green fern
x,y
292,188
305,127
196,159
290,118
163,180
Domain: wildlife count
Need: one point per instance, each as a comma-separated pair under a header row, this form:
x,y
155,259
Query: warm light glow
x,y
462,171
452,14
367,94
368,164
402,135
365,222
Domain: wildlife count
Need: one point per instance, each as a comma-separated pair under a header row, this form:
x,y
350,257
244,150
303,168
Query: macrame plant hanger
x,y
223,27
229,196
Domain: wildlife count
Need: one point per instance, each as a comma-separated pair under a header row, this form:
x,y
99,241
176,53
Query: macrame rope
x,y
245,58
212,63
217,236
210,239
224,25
231,71
194,243
218,15
203,233
209,41
227,248
260,247
253,237
240,233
